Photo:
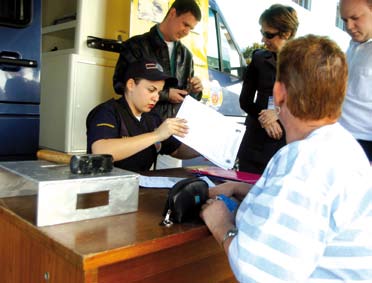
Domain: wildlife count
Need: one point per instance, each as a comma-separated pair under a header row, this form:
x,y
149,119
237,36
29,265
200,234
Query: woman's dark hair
x,y
283,18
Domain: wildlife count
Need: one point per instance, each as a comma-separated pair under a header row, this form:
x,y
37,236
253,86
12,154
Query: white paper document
x,y
158,182
210,133
165,182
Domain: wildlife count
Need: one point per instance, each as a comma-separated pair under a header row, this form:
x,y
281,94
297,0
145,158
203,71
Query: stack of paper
x,y
212,134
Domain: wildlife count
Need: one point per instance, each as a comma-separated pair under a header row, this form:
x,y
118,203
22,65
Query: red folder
x,y
227,174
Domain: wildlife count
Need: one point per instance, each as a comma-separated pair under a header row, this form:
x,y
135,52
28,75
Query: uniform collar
x,y
123,101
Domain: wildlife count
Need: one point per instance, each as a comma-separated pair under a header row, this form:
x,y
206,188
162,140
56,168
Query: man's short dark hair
x,y
185,6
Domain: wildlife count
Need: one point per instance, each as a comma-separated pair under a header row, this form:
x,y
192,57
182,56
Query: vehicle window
x,y
339,22
230,56
227,59
15,13
212,48
304,3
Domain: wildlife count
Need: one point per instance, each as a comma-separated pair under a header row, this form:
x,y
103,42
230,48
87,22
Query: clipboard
x,y
232,175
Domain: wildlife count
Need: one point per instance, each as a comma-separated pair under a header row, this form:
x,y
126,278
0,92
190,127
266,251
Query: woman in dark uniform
x,y
126,129
264,134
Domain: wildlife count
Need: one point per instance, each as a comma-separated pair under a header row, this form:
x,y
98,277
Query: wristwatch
x,y
229,234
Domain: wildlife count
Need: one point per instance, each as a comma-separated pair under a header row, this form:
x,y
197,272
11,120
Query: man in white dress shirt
x,y
357,108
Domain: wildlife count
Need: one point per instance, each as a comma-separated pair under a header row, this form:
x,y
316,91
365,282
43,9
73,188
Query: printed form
x,y
212,134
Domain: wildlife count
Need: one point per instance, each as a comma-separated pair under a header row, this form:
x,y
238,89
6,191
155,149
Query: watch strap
x,y
229,234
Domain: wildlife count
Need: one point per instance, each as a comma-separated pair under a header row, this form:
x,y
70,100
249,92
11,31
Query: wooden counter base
x,y
124,248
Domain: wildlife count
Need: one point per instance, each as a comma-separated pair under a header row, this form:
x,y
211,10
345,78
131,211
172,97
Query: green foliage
x,y
247,52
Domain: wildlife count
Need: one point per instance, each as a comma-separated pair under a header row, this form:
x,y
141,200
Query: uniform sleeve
x,y
282,226
169,145
102,123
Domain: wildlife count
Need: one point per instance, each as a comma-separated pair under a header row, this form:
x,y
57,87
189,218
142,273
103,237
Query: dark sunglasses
x,y
269,35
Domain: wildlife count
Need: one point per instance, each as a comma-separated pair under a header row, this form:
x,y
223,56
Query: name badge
x,y
270,104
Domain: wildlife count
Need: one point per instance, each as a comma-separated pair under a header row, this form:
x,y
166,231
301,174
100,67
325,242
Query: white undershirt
x,y
170,45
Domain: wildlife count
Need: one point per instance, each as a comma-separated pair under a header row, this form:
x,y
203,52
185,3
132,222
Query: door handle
x,y
11,61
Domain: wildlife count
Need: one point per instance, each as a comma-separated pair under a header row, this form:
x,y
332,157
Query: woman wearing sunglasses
x,y
264,134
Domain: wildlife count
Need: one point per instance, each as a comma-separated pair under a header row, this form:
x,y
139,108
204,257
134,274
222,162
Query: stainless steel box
x,y
65,197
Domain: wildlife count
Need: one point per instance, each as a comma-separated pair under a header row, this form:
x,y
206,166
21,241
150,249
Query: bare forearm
x,y
125,147
219,220
241,190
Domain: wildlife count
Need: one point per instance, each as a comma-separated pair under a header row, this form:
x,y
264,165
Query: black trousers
x,y
257,148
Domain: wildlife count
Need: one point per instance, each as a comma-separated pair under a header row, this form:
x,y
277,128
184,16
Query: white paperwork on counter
x,y
165,182
212,134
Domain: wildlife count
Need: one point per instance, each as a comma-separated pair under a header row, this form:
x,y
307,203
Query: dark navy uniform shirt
x,y
114,119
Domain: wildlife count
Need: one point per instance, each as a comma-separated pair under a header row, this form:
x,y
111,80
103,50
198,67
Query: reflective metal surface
x,y
58,190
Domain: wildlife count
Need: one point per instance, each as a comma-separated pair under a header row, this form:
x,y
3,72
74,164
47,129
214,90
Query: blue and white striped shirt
x,y
309,217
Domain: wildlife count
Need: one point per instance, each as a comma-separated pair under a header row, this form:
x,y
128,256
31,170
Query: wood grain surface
x,y
130,247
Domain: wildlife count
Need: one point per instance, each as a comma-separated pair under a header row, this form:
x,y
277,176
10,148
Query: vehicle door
x,y
226,66
20,28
